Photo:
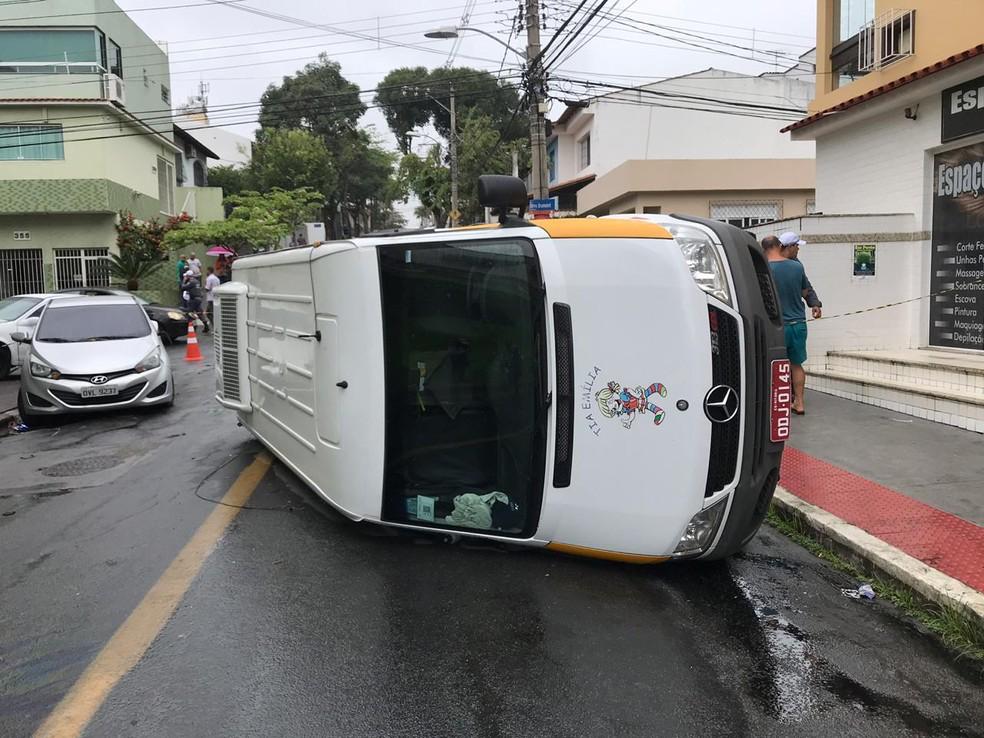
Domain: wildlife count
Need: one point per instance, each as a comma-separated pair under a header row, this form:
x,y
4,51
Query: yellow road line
x,y
132,639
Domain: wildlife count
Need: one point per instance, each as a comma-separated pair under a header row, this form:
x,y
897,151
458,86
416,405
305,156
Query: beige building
x,y
706,143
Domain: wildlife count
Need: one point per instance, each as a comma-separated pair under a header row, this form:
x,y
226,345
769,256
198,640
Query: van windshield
x,y
463,330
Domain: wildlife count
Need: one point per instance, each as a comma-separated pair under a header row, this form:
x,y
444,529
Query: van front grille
x,y
726,370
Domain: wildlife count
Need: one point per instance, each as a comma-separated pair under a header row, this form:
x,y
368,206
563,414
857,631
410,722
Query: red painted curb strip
x,y
943,541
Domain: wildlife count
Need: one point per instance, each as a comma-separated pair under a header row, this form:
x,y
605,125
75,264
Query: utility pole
x,y
453,150
535,88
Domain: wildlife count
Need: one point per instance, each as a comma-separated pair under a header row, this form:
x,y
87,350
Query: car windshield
x,y
92,323
12,308
466,404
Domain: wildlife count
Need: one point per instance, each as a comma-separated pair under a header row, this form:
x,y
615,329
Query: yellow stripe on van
x,y
598,553
601,228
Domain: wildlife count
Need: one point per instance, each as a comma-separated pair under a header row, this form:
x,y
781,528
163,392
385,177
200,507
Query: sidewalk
x,y
904,494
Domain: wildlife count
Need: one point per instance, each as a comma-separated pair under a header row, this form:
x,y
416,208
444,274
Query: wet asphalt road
x,y
304,624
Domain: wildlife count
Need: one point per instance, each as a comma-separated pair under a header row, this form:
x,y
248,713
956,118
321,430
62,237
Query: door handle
x,y
342,385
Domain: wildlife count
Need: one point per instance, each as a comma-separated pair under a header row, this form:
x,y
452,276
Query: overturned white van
x,y
606,387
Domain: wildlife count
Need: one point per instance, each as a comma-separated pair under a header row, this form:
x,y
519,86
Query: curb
x,y
883,557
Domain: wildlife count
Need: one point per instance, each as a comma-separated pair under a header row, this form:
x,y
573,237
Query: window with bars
x,y
81,268
31,143
21,271
745,214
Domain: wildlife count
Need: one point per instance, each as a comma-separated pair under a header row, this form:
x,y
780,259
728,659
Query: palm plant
x,y
130,266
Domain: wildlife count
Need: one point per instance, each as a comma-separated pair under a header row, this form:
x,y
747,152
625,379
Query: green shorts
x,y
796,342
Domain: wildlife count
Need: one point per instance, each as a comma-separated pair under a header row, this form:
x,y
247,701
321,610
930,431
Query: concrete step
x,y
962,409
954,372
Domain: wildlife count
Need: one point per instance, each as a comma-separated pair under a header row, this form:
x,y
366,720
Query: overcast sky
x,y
239,54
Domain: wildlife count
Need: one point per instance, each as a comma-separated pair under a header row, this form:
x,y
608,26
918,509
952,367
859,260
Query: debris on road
x,y
864,591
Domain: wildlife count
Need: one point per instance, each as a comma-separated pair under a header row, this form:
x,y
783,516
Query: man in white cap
x,y
791,243
792,286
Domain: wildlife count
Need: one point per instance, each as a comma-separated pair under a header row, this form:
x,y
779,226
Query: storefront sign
x,y
864,260
963,110
956,310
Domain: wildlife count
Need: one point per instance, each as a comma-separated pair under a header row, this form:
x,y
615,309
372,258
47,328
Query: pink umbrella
x,y
220,251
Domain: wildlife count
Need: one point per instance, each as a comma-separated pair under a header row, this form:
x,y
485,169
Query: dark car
x,y
173,321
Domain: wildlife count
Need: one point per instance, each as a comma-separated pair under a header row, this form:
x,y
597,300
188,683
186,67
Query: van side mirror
x,y
156,326
20,337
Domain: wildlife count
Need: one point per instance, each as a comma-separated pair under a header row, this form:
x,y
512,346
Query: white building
x,y
705,143
231,149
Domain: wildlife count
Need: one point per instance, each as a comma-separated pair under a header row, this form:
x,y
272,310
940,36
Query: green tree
x,y
429,179
403,97
318,99
411,97
232,180
256,221
290,159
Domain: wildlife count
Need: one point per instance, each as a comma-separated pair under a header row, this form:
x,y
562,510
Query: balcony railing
x,y
887,39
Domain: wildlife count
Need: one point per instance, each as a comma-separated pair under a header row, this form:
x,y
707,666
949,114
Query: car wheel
x,y
166,338
31,420
4,360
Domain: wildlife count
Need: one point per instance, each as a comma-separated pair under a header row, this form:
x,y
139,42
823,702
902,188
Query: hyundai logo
x,y
99,379
721,404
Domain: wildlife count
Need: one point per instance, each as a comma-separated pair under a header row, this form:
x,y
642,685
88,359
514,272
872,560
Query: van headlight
x,y
703,260
150,361
701,529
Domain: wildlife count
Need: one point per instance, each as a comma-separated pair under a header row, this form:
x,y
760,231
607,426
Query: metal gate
x,y
81,268
21,270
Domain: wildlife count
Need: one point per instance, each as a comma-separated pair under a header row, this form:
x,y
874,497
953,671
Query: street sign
x,y
545,205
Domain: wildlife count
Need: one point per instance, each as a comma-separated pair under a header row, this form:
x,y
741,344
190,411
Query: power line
x,y
572,36
228,115
123,12
633,24
598,29
165,115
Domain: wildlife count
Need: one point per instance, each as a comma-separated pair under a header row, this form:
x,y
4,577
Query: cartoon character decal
x,y
615,401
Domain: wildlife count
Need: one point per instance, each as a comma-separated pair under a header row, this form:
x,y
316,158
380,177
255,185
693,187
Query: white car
x,y
89,354
18,313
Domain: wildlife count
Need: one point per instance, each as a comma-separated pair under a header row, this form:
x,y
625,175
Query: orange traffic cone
x,y
192,353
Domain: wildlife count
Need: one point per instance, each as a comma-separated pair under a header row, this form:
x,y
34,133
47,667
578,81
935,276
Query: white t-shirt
x,y
211,282
195,266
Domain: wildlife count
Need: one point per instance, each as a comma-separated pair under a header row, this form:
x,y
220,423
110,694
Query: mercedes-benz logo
x,y
721,404
99,379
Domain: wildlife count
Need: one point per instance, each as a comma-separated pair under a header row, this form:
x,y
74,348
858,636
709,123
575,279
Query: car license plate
x,y
782,396
100,391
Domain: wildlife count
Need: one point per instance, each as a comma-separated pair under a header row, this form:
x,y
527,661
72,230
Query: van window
x,y
463,331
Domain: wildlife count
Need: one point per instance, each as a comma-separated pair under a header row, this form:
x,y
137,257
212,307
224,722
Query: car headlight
x,y
40,369
701,529
175,315
150,361
703,260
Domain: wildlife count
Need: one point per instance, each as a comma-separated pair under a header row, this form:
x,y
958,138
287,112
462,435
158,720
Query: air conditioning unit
x,y
114,89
